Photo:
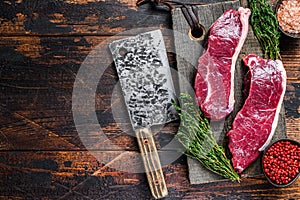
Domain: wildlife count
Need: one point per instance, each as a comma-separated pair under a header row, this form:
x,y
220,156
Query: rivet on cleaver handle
x,y
145,77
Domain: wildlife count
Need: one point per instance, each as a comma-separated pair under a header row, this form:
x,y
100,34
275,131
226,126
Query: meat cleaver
x,y
145,78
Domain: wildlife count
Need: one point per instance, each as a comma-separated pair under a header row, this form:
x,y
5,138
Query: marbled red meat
x,y
255,124
214,82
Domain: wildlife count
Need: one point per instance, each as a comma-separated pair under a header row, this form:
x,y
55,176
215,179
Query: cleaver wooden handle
x,y
152,164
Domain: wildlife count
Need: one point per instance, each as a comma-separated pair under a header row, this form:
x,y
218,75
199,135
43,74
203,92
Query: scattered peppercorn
x,y
281,162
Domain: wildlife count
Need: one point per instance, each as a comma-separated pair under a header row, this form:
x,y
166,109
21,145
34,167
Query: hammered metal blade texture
x,y
145,77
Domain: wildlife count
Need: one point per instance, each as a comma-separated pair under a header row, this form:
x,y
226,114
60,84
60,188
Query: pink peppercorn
x,y
281,162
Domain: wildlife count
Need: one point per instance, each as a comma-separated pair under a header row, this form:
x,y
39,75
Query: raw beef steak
x,y
255,124
214,82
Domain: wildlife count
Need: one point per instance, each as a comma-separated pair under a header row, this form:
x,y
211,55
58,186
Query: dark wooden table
x,y
42,46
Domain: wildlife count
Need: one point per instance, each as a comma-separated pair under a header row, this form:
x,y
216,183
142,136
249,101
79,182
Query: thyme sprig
x,y
196,136
265,27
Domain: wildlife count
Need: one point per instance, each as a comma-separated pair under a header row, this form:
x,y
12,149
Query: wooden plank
x,y
57,174
54,130
78,174
82,17
207,15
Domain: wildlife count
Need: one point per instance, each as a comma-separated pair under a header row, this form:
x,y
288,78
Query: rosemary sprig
x,y
265,27
196,136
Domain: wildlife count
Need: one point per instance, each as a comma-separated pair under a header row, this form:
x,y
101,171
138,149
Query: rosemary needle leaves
x,y
265,27
196,136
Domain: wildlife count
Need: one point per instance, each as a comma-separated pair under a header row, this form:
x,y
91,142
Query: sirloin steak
x,y
255,124
214,82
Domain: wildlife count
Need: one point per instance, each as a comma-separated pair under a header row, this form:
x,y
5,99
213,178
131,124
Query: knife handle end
x,y
152,163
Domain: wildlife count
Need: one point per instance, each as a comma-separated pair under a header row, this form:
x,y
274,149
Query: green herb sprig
x,y
265,27
197,138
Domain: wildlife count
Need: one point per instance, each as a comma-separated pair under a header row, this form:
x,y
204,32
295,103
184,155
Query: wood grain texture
x,y
209,14
40,95
42,46
63,174
60,17
152,163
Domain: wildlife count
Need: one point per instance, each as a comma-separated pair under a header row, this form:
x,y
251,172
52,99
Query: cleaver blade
x,y
145,78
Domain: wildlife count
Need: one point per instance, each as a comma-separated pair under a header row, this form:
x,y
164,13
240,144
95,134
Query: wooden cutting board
x,y
187,54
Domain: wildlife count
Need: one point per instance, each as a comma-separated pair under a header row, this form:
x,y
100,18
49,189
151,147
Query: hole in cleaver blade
x,y
145,78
